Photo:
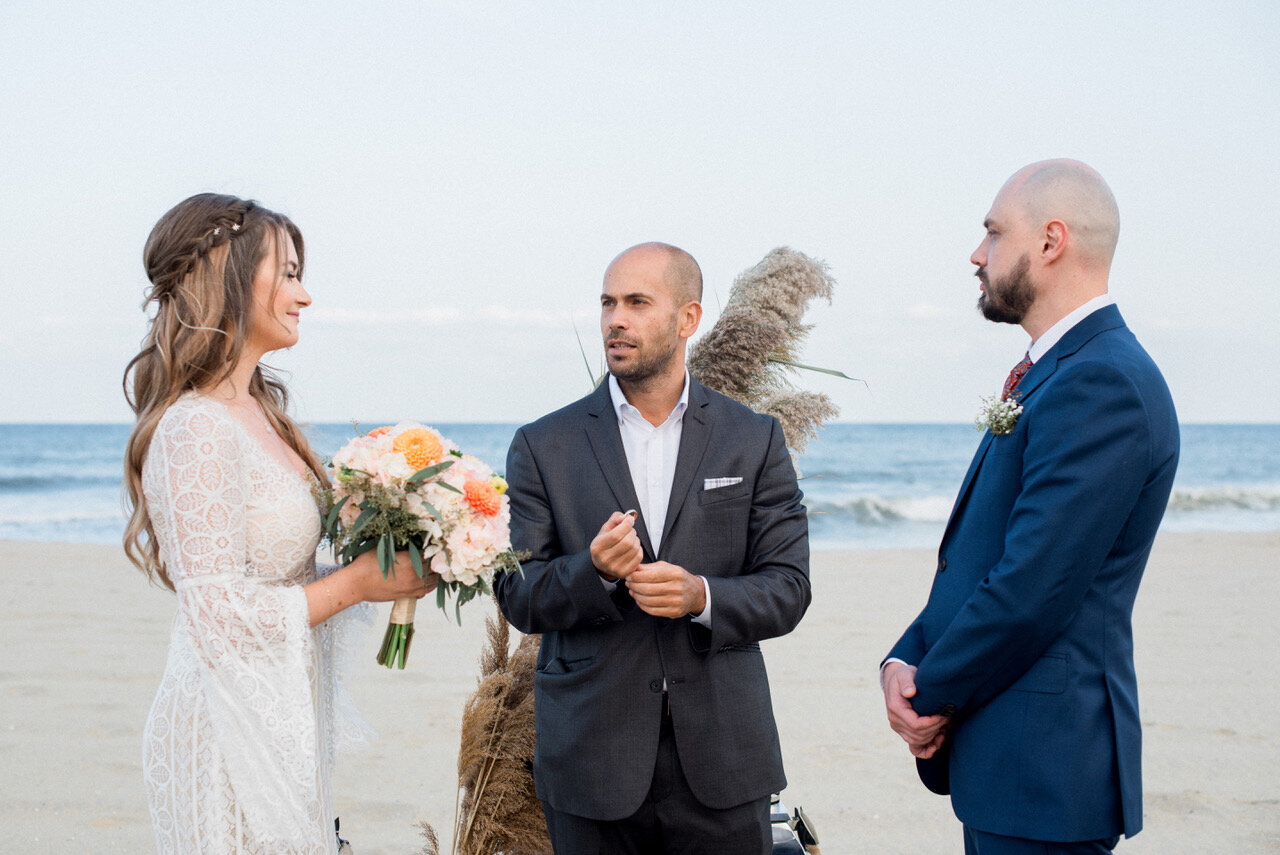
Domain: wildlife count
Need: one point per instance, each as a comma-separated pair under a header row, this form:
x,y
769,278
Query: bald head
x,y
680,273
1075,194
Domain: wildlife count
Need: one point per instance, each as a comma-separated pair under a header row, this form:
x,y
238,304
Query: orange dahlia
x,y
420,447
482,497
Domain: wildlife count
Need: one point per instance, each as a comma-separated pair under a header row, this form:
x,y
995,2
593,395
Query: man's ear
x,y
1055,240
690,317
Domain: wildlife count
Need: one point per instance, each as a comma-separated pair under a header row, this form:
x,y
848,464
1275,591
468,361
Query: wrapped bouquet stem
x,y
408,488
399,634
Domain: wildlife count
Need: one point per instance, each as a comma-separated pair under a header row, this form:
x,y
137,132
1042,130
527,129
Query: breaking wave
x,y
1252,498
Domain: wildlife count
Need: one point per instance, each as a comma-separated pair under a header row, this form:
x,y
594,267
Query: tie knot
x,y
1015,377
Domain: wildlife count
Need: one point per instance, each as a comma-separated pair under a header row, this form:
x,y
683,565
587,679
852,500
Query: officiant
x,y
667,540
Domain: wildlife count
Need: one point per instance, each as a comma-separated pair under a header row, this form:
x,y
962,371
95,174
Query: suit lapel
x,y
606,443
1039,372
1106,318
968,480
695,433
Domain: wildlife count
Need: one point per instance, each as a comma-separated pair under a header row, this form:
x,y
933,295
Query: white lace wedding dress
x,y
239,746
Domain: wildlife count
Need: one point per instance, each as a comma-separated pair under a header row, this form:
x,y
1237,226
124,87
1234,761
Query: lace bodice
x,y
240,741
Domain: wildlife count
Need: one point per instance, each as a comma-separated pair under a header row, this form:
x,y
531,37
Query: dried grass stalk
x,y
499,809
430,843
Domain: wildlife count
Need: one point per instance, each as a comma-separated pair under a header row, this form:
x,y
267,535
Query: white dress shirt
x,y
1054,334
651,456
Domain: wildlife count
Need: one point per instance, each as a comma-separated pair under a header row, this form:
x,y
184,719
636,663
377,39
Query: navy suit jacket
x,y
1026,639
598,685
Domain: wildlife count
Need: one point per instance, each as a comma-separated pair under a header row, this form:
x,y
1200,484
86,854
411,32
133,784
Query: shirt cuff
x,y
704,619
885,664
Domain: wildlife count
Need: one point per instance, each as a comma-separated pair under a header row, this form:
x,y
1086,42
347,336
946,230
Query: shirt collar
x,y
621,405
1054,334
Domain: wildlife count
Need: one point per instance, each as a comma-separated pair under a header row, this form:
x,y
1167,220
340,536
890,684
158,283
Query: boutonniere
x,y
998,415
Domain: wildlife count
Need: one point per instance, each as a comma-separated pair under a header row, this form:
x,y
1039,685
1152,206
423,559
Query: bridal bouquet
x,y
407,487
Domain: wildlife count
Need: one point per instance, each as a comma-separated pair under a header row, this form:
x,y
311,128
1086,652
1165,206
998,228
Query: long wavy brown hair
x,y
200,258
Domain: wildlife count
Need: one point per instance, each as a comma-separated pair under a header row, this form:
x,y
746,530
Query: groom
x,y
1015,687
667,540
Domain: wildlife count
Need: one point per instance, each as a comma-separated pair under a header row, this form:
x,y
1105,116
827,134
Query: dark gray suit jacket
x,y
603,660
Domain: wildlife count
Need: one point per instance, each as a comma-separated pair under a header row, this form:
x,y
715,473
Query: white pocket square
x,y
717,483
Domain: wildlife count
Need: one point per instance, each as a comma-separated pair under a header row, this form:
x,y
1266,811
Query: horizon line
x,y
907,423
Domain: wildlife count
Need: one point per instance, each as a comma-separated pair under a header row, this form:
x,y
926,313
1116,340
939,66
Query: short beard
x,y
642,370
1007,301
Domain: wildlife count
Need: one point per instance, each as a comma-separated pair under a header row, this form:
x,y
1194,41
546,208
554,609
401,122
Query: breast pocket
x,y
723,494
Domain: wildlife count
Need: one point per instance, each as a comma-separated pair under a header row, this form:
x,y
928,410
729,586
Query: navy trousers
x,y
982,843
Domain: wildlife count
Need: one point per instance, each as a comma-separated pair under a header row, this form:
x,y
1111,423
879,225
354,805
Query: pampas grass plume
x,y
499,810
733,357
801,414
782,284
430,843
761,328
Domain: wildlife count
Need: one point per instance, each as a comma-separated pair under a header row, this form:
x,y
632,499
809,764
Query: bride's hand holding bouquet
x,y
371,585
408,489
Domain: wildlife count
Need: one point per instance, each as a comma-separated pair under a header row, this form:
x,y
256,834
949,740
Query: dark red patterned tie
x,y
1015,377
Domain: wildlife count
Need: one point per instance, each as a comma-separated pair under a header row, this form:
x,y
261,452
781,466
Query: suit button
x,y
947,710
655,685
942,565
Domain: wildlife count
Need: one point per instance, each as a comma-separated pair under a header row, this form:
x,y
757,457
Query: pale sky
x,y
463,172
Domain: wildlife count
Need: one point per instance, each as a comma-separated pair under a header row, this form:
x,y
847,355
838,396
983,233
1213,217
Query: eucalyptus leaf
x,y
428,472
331,521
386,555
356,548
415,557
366,517
360,547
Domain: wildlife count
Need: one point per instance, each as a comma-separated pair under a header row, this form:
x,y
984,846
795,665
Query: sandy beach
x,y
84,640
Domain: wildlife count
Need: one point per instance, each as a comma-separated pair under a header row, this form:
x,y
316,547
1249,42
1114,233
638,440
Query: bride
x,y
239,745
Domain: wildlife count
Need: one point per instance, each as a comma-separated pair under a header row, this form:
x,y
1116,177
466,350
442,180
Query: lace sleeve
x,y
346,647
250,635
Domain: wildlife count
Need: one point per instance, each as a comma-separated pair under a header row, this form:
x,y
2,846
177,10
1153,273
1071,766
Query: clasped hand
x,y
660,589
924,735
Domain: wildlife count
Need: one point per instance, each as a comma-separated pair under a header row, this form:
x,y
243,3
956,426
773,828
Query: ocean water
x,y
866,486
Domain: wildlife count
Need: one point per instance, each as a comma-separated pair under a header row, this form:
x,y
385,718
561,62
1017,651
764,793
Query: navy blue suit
x,y
1026,639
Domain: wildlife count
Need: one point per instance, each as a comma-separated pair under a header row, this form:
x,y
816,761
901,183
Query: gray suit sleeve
x,y
772,593
555,591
